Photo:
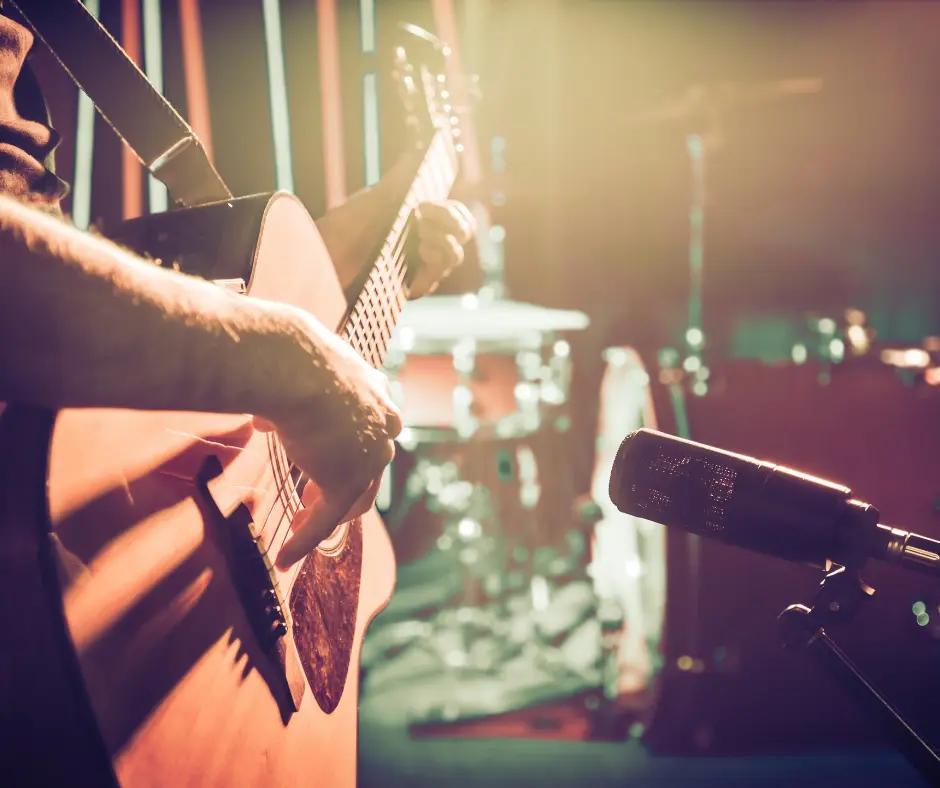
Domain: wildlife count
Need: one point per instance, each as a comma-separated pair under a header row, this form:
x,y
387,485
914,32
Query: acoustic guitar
x,y
147,638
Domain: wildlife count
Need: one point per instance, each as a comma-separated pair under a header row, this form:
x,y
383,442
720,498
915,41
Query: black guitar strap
x,y
138,113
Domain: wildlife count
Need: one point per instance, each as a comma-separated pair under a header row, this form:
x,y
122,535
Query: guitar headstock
x,y
431,103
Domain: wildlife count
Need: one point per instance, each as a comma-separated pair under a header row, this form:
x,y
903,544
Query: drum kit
x,y
508,596
511,591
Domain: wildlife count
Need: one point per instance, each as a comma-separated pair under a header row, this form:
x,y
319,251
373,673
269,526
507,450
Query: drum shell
x,y
427,384
494,464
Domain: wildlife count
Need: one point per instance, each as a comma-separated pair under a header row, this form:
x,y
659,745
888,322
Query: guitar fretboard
x,y
375,312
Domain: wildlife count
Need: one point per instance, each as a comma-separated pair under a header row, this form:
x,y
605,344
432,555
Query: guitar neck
x,y
369,324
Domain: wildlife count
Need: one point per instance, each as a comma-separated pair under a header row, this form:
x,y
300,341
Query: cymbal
x,y
717,97
436,324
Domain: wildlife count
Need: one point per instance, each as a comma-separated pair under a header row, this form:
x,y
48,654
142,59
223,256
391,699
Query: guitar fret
x,y
373,316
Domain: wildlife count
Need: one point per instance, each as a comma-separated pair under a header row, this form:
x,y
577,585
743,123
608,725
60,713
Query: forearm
x,y
355,230
85,323
352,234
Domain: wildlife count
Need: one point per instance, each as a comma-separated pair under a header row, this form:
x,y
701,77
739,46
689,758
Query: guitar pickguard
x,y
323,605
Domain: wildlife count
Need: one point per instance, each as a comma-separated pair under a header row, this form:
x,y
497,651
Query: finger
x,y
437,219
440,219
262,425
311,494
315,524
312,525
440,255
437,259
300,519
394,422
365,501
468,220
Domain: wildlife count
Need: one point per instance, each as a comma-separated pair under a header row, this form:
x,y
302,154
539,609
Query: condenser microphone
x,y
757,505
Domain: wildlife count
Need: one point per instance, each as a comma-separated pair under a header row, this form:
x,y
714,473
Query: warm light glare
x,y
84,151
367,26
153,67
371,148
277,88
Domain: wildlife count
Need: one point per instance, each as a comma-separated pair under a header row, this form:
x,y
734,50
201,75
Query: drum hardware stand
x,y
465,508
839,597
464,360
504,626
694,336
694,339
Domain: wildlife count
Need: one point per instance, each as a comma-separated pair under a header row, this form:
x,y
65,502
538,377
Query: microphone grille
x,y
675,482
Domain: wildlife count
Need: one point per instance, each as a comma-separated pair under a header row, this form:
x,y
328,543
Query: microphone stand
x,y
839,596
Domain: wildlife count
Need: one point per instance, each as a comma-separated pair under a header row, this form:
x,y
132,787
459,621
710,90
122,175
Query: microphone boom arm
x,y
839,597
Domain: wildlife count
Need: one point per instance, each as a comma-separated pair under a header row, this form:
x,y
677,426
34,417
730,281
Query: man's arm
x,y
85,323
354,230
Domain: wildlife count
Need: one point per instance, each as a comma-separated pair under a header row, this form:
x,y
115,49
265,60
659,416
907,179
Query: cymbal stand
x,y
694,335
694,338
839,596
491,238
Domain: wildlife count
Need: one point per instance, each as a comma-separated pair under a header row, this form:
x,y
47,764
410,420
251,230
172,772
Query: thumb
x,y
312,525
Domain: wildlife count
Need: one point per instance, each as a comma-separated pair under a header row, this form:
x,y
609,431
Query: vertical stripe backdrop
x,y
285,94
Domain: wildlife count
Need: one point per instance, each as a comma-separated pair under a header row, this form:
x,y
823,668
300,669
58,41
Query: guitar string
x,y
275,448
288,493
379,283
429,171
289,504
283,529
430,180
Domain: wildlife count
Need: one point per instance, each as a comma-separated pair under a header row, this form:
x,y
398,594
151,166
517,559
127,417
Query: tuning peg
x,y
470,85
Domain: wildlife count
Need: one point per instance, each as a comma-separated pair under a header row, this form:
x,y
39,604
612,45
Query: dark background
x,y
814,202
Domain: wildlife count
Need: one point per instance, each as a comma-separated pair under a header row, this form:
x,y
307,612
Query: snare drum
x,y
463,368
435,396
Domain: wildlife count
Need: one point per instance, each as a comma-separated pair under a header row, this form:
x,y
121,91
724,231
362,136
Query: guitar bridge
x,y
258,590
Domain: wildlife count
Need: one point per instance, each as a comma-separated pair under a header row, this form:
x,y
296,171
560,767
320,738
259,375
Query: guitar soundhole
x,y
323,605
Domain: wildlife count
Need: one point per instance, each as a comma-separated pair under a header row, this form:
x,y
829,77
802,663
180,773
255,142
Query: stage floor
x,y
389,757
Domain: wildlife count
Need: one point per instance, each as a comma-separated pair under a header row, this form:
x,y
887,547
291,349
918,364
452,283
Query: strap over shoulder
x,y
138,113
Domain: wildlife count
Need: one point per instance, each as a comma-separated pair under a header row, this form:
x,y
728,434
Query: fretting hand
x,y
443,231
353,229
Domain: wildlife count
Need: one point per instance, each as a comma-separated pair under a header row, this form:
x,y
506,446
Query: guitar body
x,y
136,647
